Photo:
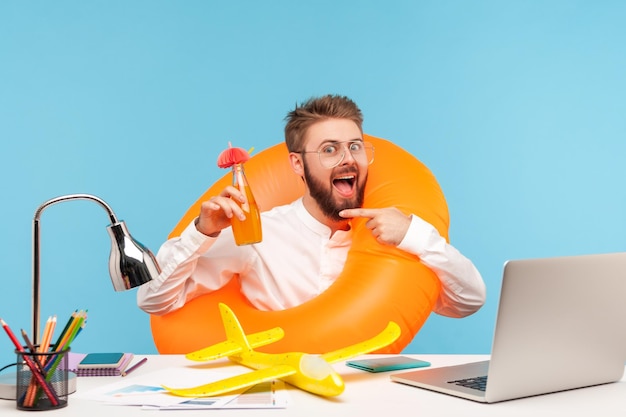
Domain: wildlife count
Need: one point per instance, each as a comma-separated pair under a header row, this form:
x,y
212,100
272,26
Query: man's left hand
x,y
388,225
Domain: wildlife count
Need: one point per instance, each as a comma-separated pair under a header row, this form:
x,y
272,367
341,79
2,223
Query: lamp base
x,y
8,388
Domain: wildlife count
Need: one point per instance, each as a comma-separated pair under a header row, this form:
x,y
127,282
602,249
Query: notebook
x,y
75,358
559,326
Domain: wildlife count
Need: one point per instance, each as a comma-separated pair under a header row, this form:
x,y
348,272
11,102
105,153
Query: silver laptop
x,y
561,324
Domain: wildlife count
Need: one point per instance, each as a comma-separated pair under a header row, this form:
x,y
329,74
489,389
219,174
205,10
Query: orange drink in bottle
x,y
246,231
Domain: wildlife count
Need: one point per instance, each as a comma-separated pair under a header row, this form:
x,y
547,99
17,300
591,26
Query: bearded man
x,y
305,243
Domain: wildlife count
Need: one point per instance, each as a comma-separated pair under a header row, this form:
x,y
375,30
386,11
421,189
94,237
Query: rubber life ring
x,y
378,283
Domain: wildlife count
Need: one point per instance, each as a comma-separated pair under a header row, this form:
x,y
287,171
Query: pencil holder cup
x,y
42,380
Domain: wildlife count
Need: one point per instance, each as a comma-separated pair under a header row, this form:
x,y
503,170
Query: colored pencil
x,y
54,400
135,366
67,336
32,390
67,325
32,349
76,323
29,399
47,334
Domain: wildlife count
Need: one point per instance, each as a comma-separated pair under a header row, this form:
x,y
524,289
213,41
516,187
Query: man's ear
x,y
295,159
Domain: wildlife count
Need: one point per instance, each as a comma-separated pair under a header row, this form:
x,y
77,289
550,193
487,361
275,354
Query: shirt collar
x,y
312,223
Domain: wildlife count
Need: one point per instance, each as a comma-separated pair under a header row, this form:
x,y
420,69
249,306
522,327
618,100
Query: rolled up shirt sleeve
x,y
463,290
177,283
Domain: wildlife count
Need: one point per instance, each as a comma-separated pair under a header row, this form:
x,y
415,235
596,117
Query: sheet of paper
x,y
270,394
145,390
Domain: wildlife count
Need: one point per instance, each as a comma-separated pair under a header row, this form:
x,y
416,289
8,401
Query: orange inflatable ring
x,y
378,283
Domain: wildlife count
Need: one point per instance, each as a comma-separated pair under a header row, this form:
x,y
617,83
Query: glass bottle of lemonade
x,y
247,231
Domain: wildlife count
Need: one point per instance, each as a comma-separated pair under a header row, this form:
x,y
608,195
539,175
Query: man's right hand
x,y
216,213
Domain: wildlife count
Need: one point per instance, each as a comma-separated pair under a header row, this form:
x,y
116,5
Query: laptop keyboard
x,y
478,383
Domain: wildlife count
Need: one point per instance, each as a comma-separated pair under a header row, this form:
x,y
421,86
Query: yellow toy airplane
x,y
311,373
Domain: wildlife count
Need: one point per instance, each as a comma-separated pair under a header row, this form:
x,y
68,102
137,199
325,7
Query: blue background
x,y
518,107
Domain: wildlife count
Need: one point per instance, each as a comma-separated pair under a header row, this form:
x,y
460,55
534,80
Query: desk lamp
x,y
130,263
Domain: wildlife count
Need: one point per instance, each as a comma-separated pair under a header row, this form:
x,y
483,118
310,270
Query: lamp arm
x,y
59,199
132,263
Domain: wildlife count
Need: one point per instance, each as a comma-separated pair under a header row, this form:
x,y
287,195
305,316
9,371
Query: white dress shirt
x,y
297,260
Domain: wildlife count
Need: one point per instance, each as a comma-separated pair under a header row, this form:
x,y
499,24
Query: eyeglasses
x,y
331,154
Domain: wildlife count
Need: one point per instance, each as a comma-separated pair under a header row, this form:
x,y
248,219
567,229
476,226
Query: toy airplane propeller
x,y
308,372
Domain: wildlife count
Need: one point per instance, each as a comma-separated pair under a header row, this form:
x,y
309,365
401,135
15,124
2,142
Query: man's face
x,y
342,186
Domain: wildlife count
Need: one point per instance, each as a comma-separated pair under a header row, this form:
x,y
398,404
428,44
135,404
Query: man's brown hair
x,y
317,109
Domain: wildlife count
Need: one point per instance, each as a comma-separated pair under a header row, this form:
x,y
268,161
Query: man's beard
x,y
323,196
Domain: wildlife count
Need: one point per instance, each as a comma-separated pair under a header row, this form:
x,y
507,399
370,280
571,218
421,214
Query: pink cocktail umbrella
x,y
232,156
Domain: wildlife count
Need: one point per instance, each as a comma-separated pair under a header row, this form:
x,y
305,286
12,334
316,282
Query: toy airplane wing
x,y
228,347
228,385
384,338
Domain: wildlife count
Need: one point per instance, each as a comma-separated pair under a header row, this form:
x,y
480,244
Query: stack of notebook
x,y
103,364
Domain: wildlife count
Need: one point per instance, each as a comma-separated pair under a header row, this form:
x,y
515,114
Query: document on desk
x,y
145,391
264,395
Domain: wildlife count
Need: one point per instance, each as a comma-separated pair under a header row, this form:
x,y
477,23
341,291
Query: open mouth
x,y
345,184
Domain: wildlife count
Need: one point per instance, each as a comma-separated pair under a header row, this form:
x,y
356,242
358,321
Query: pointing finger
x,y
358,212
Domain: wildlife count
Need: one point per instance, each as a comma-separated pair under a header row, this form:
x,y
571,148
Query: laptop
x,y
561,324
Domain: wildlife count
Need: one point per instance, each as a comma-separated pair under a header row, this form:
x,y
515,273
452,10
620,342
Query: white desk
x,y
367,394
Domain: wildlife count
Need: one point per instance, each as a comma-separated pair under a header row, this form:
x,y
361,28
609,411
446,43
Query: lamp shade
x,y
131,264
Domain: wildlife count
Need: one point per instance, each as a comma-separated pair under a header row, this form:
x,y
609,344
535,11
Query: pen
x,y
135,366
